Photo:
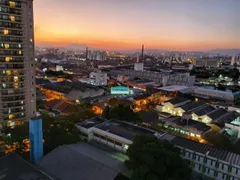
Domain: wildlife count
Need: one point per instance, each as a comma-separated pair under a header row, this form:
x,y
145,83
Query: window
x,y
205,160
229,168
12,4
217,164
7,46
204,169
199,167
4,85
215,173
5,31
12,18
194,156
7,59
19,52
223,176
117,143
208,170
10,116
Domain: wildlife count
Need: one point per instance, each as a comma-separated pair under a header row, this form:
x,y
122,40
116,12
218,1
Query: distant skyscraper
x,y
17,89
233,60
142,53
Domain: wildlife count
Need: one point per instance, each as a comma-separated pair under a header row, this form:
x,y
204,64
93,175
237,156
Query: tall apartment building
x,y
17,76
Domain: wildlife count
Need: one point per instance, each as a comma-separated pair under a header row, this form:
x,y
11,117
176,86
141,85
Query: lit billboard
x,y
121,90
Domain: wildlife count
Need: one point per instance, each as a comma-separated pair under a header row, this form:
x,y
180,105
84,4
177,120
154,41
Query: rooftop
x,y
123,129
204,110
189,124
13,166
221,154
178,100
217,114
91,122
148,116
228,118
66,87
193,105
82,161
173,88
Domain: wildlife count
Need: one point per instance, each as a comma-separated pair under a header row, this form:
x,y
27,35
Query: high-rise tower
x,y
143,53
17,75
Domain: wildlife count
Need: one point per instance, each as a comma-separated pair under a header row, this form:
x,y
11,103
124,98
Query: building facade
x,y
98,78
17,91
207,161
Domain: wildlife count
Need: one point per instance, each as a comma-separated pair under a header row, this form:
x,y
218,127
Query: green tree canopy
x,y
151,159
121,112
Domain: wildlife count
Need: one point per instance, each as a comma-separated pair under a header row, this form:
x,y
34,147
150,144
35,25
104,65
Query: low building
x,y
70,91
116,134
140,84
82,161
13,166
215,94
98,78
206,160
232,124
170,106
202,113
186,127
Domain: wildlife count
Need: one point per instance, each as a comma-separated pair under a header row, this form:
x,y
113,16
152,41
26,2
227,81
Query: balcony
x,y
7,10
11,66
13,80
6,94
10,73
12,4
13,105
14,111
16,118
7,39
12,86
12,99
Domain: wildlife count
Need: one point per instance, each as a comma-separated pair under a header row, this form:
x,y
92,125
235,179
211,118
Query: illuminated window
x,y
15,79
4,85
7,59
19,45
7,46
5,31
19,52
8,72
9,111
11,116
12,4
16,85
31,40
2,45
15,72
12,18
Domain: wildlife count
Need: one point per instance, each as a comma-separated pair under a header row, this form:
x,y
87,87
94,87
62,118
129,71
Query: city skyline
x,y
173,25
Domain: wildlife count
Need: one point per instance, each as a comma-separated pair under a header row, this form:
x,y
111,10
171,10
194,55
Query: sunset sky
x,y
126,24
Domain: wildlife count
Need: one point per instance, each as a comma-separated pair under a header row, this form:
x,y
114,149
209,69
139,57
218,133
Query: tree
x,y
59,133
106,112
121,112
56,132
151,159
